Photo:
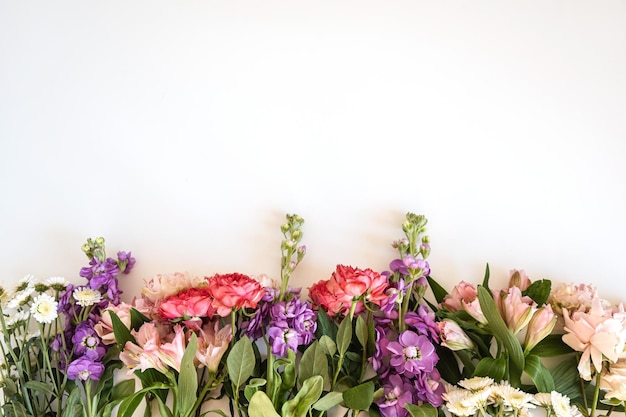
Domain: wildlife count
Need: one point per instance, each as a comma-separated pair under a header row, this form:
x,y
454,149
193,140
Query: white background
x,y
183,131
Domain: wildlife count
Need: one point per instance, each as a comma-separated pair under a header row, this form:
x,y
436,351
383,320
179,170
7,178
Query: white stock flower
x,y
44,309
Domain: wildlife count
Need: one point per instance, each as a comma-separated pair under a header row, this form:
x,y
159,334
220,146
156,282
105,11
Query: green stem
x,y
404,308
596,394
88,399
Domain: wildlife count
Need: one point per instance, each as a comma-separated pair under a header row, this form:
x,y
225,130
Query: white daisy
x,y
26,282
476,383
44,309
560,404
20,297
86,296
17,318
57,283
516,398
543,399
456,404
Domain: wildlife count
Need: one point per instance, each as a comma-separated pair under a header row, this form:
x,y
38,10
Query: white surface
x,y
184,130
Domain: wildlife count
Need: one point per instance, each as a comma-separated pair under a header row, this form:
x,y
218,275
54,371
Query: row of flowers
x,y
360,341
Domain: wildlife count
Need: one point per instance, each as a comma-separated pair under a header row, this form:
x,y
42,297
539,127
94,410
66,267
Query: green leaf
x,y
438,291
240,362
313,362
39,387
289,371
425,410
121,332
494,368
122,389
261,406
447,365
539,291
567,379
539,374
137,319
328,345
503,334
325,326
253,386
551,346
344,335
300,405
486,278
361,331
188,377
328,401
359,397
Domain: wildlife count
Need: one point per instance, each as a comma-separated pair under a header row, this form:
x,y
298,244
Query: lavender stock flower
x,y
412,354
84,368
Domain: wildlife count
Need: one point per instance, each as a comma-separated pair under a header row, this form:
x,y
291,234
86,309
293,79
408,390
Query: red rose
x,y
234,291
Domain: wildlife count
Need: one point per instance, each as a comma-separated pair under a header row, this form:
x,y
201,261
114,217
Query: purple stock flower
x,y
282,339
126,259
84,368
412,353
430,388
404,265
398,392
87,343
423,321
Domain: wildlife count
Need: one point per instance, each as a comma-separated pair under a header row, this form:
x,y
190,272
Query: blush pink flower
x,y
234,292
145,354
104,328
452,336
516,310
540,326
189,305
574,298
212,344
519,279
171,353
597,334
614,381
463,292
162,286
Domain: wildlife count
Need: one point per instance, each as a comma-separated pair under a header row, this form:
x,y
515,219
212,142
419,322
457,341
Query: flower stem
x,y
596,394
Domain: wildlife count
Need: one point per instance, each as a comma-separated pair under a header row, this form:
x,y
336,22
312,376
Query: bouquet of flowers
x,y
246,345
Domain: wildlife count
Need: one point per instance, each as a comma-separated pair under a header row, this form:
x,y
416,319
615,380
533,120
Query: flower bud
x,y
296,235
540,325
407,226
100,241
85,247
453,337
284,227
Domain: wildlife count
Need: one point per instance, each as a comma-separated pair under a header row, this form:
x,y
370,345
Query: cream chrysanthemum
x,y
86,296
21,297
456,404
515,398
44,309
560,404
17,318
476,383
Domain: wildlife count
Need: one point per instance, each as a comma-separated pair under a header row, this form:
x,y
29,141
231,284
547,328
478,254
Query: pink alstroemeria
x,y
516,310
453,337
540,326
212,344
145,354
464,296
172,353
519,279
597,334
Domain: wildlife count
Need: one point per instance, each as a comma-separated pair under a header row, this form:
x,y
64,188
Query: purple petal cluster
x,y
292,323
80,350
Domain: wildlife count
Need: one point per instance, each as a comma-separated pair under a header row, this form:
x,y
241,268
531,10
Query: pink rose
x,y
325,296
162,286
189,304
356,283
234,291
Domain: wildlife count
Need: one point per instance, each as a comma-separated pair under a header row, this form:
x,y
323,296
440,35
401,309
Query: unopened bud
x,y
284,227
297,234
85,247
100,240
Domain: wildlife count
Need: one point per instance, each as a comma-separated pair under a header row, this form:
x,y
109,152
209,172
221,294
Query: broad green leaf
x,y
240,362
539,374
122,389
359,397
539,291
361,331
188,377
494,368
253,386
137,319
438,291
121,332
325,326
344,335
447,365
313,362
551,346
130,404
261,406
328,345
567,379
328,401
289,371
300,405
425,410
503,334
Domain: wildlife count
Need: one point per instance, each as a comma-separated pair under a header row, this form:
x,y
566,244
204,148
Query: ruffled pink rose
x,y
325,297
164,285
234,291
356,283
187,305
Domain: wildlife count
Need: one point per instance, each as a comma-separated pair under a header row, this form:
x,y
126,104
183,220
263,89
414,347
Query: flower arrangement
x,y
389,343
